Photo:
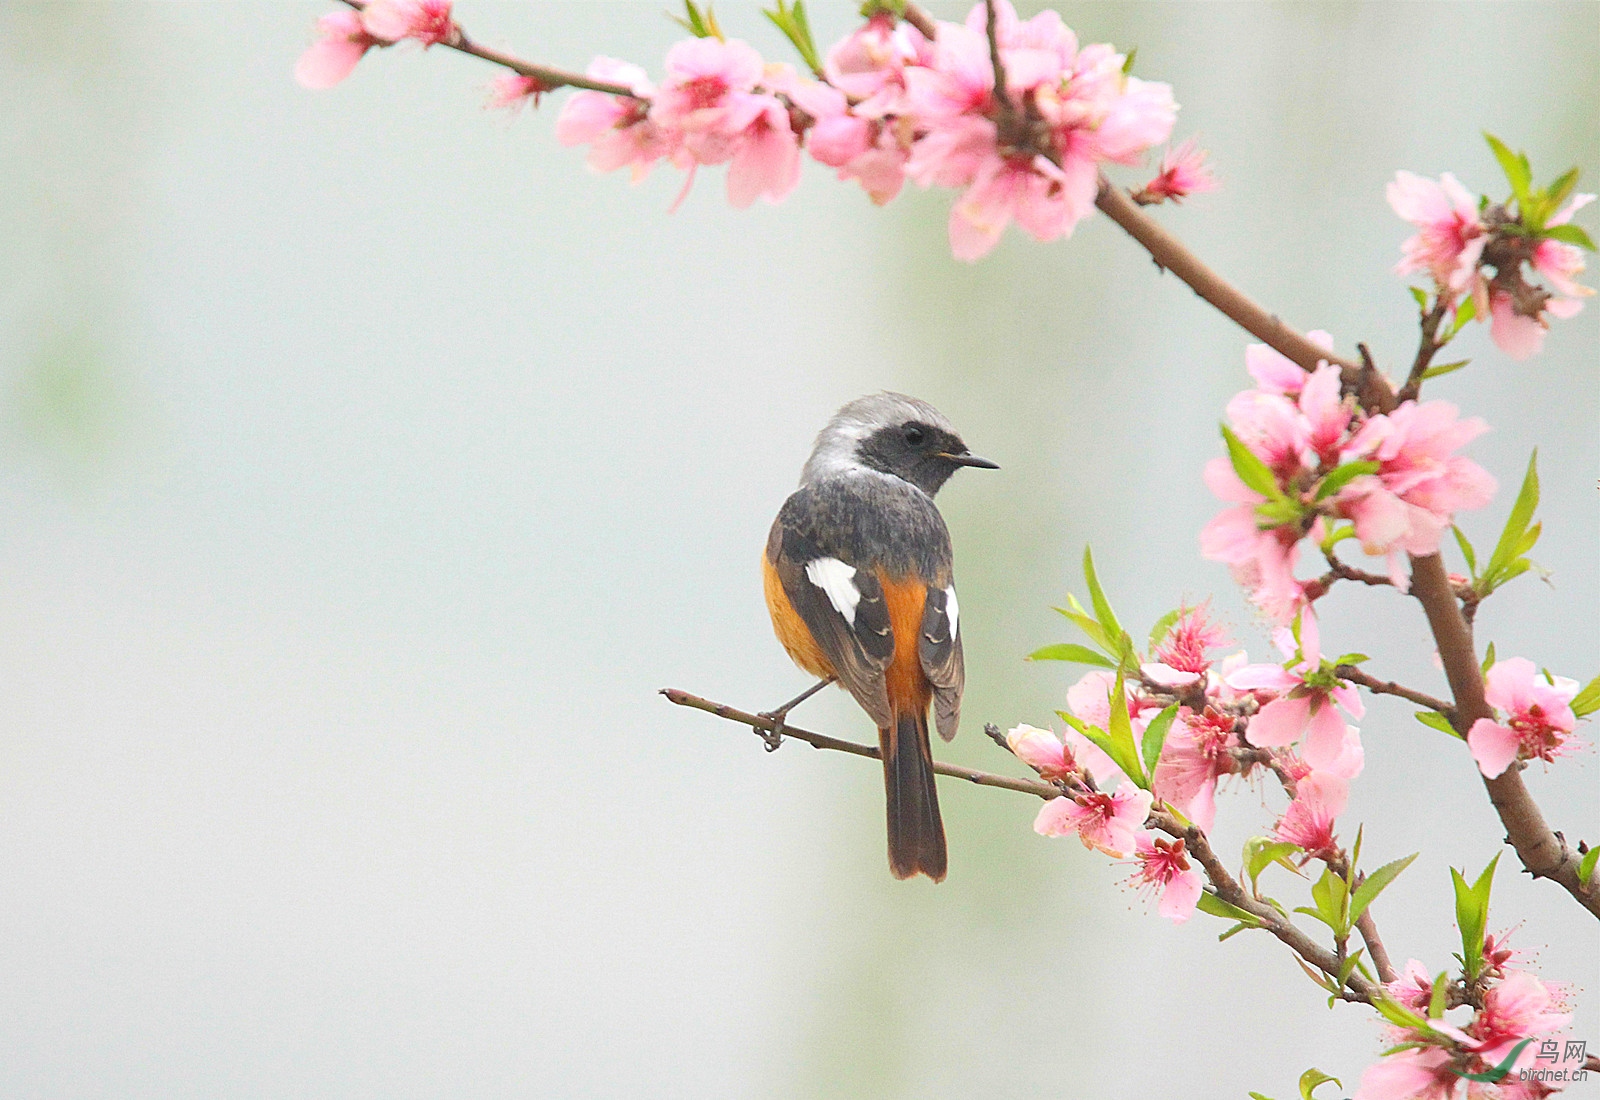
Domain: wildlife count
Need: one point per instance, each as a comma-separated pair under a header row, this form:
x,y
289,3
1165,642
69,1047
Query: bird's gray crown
x,y
838,446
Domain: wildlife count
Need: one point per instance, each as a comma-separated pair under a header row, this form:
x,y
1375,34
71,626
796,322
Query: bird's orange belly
x,y
790,627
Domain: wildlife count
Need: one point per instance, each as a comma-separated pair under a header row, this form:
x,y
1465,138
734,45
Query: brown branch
x,y
549,77
922,21
1358,988
1036,787
1426,350
1543,852
1002,94
1339,571
1172,255
1354,675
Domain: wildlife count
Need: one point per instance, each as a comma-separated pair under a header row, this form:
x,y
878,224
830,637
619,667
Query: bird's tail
x,y
916,835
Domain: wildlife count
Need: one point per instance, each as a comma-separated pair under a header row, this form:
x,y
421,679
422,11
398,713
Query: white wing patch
x,y
952,609
837,580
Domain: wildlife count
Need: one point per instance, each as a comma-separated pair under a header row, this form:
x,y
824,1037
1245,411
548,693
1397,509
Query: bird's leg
x,y
774,736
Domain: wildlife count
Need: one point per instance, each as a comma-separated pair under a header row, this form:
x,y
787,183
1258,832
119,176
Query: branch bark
x,y
1358,988
551,78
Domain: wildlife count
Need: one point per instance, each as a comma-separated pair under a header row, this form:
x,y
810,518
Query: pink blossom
x,y
1184,647
618,128
710,97
1262,561
333,57
1296,428
1107,822
427,21
1195,755
1183,172
1085,112
862,148
1309,820
1538,722
1413,988
1449,239
509,91
1420,484
1513,1010
1419,1073
1276,373
1042,751
1519,336
870,65
1497,953
1306,695
1164,865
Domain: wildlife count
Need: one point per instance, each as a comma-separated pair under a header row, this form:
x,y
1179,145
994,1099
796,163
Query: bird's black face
x,y
920,453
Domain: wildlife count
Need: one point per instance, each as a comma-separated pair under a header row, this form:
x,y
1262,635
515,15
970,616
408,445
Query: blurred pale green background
x,y
367,464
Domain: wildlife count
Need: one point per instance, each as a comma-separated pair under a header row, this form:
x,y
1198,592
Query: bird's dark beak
x,y
967,458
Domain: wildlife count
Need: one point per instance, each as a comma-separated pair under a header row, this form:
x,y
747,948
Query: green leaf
x,y
1122,749
1086,624
1468,555
1445,368
1348,967
1437,721
1374,884
1234,931
1258,1096
1472,916
1488,660
1127,62
1210,903
1163,625
1398,1014
1102,606
1251,470
1440,997
792,22
1155,736
1561,187
1311,1078
700,24
1337,534
1498,1072
1514,165
1587,701
1512,538
1333,902
1570,234
1466,310
1070,651
1586,865
1421,297
1262,851
1343,475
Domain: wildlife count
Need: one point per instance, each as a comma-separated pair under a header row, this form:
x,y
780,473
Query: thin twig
x,y
1357,988
1175,257
1426,349
922,21
551,78
1002,94
1037,788
1354,675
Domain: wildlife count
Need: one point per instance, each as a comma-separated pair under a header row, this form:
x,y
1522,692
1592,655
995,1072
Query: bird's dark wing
x,y
940,650
841,604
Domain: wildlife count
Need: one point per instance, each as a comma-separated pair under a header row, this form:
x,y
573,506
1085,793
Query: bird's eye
x,y
914,435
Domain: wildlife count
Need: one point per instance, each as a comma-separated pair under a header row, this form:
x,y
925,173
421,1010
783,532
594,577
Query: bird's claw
x,y
772,738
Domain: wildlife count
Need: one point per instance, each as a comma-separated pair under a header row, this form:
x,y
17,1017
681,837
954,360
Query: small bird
x,y
858,580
